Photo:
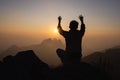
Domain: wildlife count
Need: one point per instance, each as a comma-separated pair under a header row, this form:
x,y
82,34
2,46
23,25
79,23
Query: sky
x,y
26,22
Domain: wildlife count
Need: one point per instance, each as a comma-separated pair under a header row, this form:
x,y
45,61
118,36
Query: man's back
x,y
73,41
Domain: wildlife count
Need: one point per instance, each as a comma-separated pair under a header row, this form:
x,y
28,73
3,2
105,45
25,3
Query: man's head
x,y
73,25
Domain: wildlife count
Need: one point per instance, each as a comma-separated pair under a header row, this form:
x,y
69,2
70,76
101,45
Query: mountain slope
x,y
46,51
107,61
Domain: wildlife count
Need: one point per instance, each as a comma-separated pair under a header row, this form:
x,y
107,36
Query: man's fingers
x,y
59,17
80,17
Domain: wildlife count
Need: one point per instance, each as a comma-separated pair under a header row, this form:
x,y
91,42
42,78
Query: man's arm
x,y
82,30
60,30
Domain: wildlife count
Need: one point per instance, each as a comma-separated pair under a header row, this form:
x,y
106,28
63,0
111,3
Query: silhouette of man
x,y
73,39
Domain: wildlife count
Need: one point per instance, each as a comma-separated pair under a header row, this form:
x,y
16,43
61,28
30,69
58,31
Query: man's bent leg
x,y
63,56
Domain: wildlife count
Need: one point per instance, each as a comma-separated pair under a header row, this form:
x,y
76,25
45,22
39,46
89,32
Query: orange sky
x,y
29,22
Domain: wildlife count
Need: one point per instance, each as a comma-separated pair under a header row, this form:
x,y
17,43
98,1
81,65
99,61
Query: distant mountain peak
x,y
13,47
52,41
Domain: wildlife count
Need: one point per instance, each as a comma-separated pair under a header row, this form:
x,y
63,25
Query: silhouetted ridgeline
x,y
23,66
107,62
46,51
26,65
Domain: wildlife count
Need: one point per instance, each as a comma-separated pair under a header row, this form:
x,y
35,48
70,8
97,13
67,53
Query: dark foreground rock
x,y
27,66
24,66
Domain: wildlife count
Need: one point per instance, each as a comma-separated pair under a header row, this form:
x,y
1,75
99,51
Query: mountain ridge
x,y
107,61
46,50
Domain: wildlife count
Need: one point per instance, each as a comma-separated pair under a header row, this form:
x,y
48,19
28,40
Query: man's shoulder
x,y
74,31
66,31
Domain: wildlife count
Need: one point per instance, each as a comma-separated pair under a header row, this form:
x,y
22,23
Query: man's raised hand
x,y
59,18
81,18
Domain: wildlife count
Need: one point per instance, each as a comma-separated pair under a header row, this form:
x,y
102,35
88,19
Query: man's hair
x,y
73,25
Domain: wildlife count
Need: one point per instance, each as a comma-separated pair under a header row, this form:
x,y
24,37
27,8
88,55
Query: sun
x,y
55,31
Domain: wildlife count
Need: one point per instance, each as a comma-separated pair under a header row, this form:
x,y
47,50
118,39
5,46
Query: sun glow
x,y
55,31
